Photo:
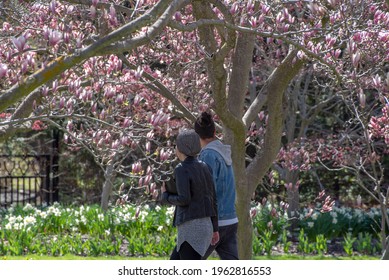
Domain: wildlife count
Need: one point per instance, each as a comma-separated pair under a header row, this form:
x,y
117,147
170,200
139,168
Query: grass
x,y
280,257
74,257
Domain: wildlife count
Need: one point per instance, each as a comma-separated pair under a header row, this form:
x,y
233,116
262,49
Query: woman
x,y
195,215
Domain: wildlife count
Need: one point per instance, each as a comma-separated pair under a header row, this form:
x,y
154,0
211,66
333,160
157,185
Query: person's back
x,y
218,157
195,215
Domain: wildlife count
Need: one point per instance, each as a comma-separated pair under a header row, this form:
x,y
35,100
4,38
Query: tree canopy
x,y
119,78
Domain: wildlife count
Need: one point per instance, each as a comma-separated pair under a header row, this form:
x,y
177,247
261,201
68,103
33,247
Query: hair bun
x,y
205,126
205,119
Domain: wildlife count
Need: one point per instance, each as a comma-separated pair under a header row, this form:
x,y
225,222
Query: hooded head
x,y
188,142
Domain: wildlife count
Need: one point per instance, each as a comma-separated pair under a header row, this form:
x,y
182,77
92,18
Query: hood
x,y
223,150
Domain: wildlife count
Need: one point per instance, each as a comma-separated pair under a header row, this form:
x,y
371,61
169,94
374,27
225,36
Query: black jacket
x,y
195,196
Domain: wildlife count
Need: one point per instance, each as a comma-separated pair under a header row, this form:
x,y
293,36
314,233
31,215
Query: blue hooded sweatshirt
x,y
218,157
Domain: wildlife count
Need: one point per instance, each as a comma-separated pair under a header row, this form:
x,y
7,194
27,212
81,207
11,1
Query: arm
x,y
214,219
212,192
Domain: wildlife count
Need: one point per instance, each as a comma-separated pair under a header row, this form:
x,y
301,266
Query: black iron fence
x,y
27,179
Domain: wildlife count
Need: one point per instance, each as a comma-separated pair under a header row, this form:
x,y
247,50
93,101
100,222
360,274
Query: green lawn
x,y
283,257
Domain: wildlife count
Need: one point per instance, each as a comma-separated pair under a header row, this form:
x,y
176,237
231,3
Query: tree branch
x,y
278,82
157,86
61,64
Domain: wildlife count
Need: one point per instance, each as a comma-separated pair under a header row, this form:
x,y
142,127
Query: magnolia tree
x,y
121,77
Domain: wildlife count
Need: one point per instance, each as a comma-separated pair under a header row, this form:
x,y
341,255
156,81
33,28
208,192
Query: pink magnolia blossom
x,y
178,16
7,26
54,37
136,167
265,9
253,212
115,145
164,154
234,8
53,6
148,147
3,70
377,81
355,58
38,125
20,43
112,16
362,98
93,11
253,22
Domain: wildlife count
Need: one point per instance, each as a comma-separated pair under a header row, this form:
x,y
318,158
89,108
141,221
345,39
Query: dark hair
x,y
205,126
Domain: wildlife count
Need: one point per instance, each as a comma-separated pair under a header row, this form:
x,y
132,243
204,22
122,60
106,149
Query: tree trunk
x,y
245,229
293,196
294,208
109,176
385,254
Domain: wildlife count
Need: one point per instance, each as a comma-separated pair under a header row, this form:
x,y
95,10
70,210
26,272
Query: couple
x,y
205,213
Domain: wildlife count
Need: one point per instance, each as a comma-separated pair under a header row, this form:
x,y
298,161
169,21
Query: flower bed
x,y
147,230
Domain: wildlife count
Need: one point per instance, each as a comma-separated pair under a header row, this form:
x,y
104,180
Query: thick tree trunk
x,y
245,229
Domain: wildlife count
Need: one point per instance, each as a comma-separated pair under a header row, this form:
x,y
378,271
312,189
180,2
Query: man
x,y
218,157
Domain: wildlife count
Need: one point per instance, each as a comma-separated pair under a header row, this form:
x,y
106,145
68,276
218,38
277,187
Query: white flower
x,y
12,219
57,212
311,224
42,214
28,207
100,217
29,220
334,221
160,228
170,210
18,226
127,217
143,215
107,231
